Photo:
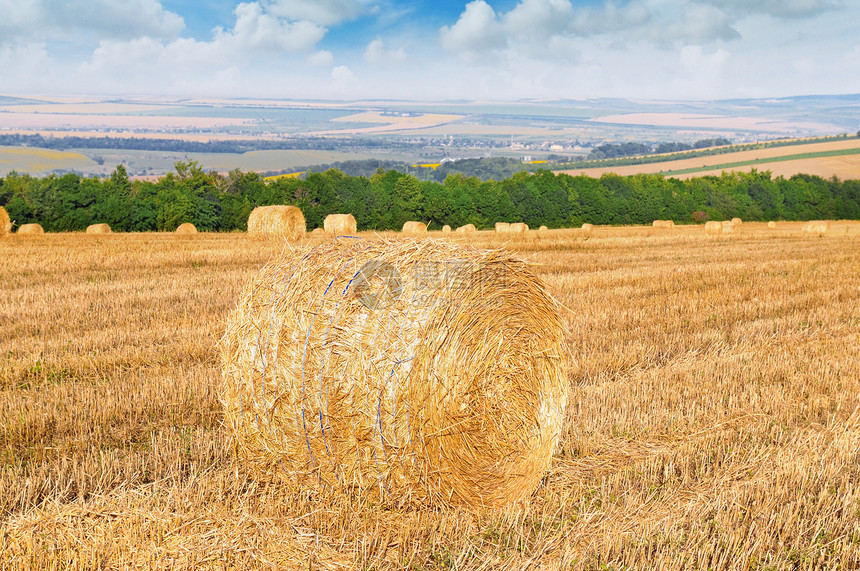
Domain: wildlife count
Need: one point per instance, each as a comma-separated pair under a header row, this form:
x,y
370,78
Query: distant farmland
x,y
37,161
835,158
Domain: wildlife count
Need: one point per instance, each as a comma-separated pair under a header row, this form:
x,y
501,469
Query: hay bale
x,y
519,228
420,371
98,229
31,229
446,229
186,228
318,232
466,228
413,228
728,226
816,227
668,224
340,224
713,227
503,227
543,228
587,228
5,223
277,220
737,221
771,224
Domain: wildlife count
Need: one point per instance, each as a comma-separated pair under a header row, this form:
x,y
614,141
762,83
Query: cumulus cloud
x,y
321,58
478,29
702,24
375,52
777,8
322,12
256,29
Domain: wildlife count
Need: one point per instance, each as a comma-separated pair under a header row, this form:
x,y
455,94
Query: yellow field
x,y
843,167
714,419
35,161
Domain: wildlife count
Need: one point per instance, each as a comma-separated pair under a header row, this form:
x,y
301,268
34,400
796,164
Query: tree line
x,y
388,198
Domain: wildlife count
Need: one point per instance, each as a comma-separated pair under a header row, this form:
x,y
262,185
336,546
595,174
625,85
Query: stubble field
x,y
714,419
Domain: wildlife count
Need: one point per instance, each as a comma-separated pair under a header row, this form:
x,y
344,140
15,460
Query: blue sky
x,y
418,49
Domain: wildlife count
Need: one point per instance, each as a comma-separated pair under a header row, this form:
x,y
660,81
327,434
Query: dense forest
x,y
388,198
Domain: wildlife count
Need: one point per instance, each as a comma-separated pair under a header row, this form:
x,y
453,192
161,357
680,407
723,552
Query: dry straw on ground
x,y
466,228
663,224
713,227
277,220
771,224
418,369
503,227
98,229
816,227
519,228
186,228
5,223
413,228
340,224
31,229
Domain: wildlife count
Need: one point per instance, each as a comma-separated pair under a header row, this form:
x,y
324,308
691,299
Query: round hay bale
x,y
98,229
737,221
413,228
31,229
5,223
466,228
446,229
318,232
186,228
587,228
543,228
728,226
418,370
503,227
816,227
713,227
340,224
277,220
668,224
519,228
771,224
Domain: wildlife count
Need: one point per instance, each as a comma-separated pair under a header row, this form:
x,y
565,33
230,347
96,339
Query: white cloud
x,y
478,29
702,24
323,12
255,29
777,8
321,58
375,52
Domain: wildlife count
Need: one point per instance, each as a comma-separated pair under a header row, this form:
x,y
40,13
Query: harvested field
x,y
713,420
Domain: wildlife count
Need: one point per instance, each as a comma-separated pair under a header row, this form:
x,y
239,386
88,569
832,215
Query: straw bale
x,y
816,227
728,226
418,371
519,228
98,229
340,224
503,227
446,229
587,227
713,227
663,224
467,228
543,228
186,228
317,231
31,229
413,228
771,224
737,221
5,223
277,220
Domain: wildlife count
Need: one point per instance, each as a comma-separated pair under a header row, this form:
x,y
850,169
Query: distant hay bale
x,y
519,228
318,231
771,224
446,229
186,228
98,229
277,220
31,229
543,229
413,228
466,228
587,228
713,227
420,371
503,227
728,226
816,227
663,224
5,224
340,224
737,221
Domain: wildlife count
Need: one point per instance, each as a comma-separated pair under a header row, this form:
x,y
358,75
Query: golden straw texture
x,y
413,228
519,228
586,227
31,229
446,229
340,224
418,370
98,229
663,224
466,228
816,227
5,224
186,228
277,220
503,227
713,227
737,221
